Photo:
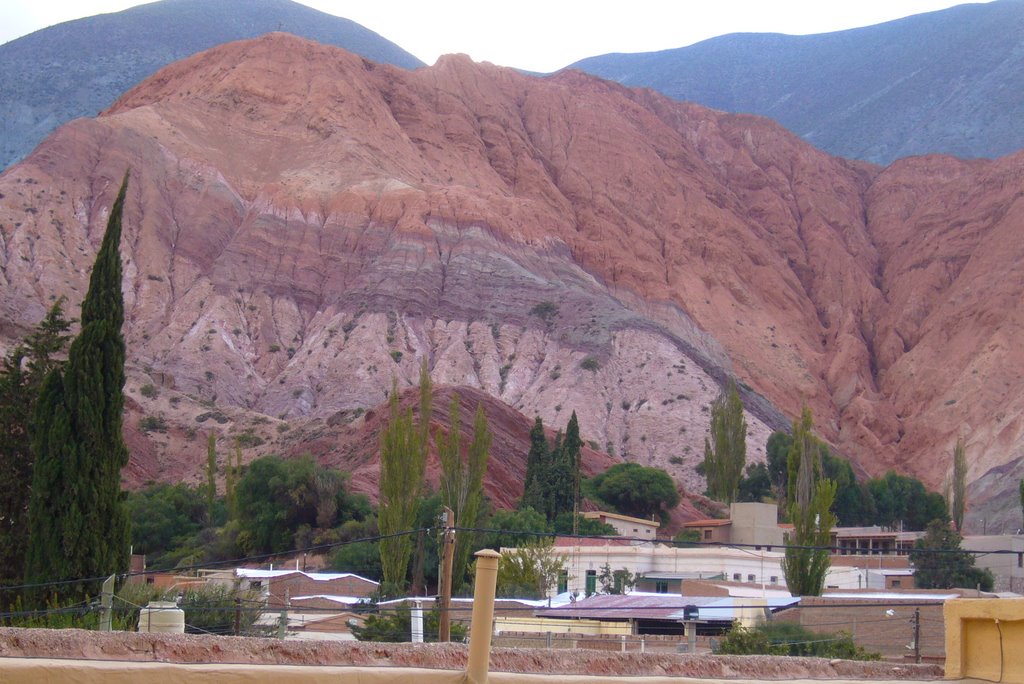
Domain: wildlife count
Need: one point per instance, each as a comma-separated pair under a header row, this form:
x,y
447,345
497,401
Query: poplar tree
x,y
78,525
211,474
403,459
959,502
725,453
810,498
462,483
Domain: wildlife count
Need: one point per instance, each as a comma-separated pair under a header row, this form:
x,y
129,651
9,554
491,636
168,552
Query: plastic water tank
x,y
164,617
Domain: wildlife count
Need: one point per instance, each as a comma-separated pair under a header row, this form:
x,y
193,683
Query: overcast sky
x,y
540,35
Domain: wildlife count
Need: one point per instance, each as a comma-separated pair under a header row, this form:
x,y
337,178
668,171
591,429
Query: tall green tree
x,y
21,377
572,449
940,563
78,526
810,502
725,453
636,490
537,466
403,459
462,481
959,502
211,473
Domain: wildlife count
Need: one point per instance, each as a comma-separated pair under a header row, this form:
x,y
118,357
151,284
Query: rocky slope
x,y
80,67
876,93
303,225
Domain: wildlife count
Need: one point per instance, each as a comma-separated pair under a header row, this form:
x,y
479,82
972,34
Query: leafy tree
x,y
277,498
777,451
586,527
619,581
726,452
403,459
163,519
462,483
78,527
756,485
510,529
959,484
810,501
361,558
530,570
902,499
21,377
939,562
633,489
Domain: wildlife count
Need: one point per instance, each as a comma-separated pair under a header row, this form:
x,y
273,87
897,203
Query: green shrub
x,y
396,355
789,639
590,363
149,391
153,424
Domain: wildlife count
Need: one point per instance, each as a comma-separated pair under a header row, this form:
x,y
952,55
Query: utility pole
x,y
444,588
106,604
917,635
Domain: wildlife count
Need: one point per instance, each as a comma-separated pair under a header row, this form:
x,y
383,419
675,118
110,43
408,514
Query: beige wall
x,y
755,523
983,638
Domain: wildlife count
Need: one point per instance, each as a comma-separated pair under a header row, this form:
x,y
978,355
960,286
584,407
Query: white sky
x,y
540,35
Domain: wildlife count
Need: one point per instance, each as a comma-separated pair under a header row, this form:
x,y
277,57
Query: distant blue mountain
x,y
80,67
950,81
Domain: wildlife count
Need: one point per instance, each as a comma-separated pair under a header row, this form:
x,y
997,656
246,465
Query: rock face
x,y
80,67
303,225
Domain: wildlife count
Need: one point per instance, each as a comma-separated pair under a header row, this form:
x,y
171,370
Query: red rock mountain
x,y
303,224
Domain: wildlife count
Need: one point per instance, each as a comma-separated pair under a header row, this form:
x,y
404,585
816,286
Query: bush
x,y
590,363
395,625
788,639
153,424
149,391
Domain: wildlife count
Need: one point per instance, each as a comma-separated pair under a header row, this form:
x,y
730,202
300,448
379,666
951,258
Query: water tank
x,y
164,617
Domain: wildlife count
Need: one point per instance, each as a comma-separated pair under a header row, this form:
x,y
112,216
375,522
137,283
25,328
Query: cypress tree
x,y
22,373
537,467
78,525
572,448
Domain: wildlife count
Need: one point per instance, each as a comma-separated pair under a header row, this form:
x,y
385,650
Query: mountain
x,y
303,225
80,67
950,81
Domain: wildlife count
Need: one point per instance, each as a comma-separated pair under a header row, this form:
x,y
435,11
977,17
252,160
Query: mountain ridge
x,y
310,223
78,68
875,93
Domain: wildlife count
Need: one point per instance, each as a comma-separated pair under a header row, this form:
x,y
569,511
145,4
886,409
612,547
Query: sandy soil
x,y
210,649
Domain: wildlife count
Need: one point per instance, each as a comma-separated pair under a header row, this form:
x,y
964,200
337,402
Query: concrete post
x,y
417,622
483,616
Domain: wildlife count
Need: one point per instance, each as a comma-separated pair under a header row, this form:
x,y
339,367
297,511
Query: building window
x,y
661,587
775,579
737,577
707,534
591,586
255,584
751,578
563,581
151,580
896,583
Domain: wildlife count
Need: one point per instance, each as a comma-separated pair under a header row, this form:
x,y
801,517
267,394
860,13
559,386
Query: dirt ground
x,y
186,648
